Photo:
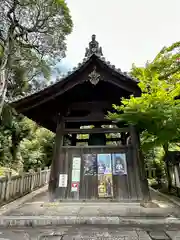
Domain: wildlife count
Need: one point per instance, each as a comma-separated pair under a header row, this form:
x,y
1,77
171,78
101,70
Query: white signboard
x,y
63,178
75,175
76,163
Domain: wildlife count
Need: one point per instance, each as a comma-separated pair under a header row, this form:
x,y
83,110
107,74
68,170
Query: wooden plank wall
x,y
124,187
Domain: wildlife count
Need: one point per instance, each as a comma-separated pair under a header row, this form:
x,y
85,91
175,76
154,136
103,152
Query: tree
x,y
156,113
166,64
37,149
25,145
32,33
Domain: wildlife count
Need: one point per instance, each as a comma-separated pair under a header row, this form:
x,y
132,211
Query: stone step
x,y
35,221
92,210
78,203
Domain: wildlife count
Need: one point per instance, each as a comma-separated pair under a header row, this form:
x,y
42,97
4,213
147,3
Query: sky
x,y
129,31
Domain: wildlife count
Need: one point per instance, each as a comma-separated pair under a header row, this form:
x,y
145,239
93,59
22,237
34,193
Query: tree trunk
x,y
3,88
3,77
169,180
5,65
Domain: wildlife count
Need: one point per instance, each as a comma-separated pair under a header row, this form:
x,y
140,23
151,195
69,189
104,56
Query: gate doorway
x,y
105,166
99,173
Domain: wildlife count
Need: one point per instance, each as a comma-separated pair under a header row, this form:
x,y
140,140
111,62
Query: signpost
x,y
74,187
63,178
76,166
76,163
75,175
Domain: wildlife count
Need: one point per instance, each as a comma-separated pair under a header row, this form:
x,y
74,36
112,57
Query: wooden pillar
x,y
55,166
124,137
139,160
73,140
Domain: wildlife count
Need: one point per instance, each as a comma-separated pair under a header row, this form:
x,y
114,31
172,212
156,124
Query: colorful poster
x,y
105,186
104,163
119,164
90,164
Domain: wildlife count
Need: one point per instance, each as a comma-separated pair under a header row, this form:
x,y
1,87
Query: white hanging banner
x,y
76,163
75,175
63,179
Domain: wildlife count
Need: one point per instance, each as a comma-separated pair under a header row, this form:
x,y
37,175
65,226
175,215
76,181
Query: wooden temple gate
x,y
75,182
95,171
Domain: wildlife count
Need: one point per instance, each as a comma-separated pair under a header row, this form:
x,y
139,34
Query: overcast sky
x,y
129,31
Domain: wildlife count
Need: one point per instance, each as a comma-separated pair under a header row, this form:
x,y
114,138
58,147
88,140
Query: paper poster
x,y
74,187
63,178
76,163
90,164
119,164
75,175
104,163
105,185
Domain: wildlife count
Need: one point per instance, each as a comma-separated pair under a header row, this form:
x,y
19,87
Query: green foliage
x,y
23,144
32,33
32,36
156,113
3,171
38,151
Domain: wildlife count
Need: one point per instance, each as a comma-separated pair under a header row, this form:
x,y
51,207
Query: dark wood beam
x,y
96,149
95,130
86,119
94,116
90,105
107,140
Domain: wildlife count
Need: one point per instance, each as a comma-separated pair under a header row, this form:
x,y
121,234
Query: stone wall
x,y
13,187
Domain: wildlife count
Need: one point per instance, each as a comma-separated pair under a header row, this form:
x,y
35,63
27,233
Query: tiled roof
x,y
89,54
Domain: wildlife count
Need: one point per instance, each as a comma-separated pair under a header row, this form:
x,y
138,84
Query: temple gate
x,y
90,163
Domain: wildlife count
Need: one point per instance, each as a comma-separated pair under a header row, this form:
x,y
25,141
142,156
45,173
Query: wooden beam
x,y
94,116
107,140
86,119
90,105
96,149
95,130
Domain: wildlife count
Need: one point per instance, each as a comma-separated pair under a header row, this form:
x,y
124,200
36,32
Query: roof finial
x,y
93,48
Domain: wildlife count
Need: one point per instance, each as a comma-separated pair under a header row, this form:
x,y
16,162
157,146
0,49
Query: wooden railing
x,y
13,187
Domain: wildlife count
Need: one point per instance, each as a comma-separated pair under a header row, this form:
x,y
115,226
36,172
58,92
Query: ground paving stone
x,y
174,235
82,232
76,233
39,206
159,235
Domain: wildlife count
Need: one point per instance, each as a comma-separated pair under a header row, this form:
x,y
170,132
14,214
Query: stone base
x,y
149,204
36,221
